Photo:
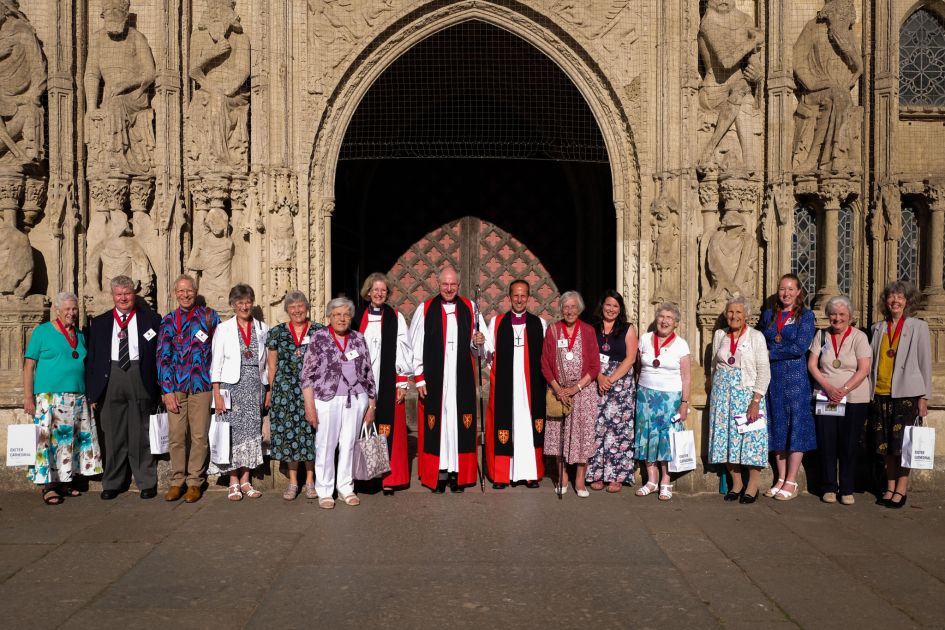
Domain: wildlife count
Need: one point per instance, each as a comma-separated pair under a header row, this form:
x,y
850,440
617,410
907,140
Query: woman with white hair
x,y
239,365
54,395
339,391
570,363
738,432
839,360
293,439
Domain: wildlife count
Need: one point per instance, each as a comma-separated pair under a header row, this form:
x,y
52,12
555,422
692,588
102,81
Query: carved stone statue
x,y
217,119
16,257
730,49
731,258
118,255
665,263
120,70
22,83
827,64
282,250
212,259
337,26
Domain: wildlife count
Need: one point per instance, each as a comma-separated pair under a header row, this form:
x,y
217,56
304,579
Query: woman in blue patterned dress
x,y
740,375
293,438
789,329
612,461
662,397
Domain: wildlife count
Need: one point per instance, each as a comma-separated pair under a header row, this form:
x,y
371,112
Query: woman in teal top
x,y
54,395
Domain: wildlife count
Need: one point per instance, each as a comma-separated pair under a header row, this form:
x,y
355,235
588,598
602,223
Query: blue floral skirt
x,y
655,411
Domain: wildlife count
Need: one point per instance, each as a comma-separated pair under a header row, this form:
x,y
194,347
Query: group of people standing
x,y
597,397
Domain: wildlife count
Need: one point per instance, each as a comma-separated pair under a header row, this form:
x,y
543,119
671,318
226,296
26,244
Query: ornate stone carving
x,y
731,259
665,261
611,30
16,254
22,84
34,198
212,259
282,257
120,69
118,254
108,198
217,119
336,28
827,65
730,47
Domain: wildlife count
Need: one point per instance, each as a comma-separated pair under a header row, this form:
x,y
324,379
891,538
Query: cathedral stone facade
x,y
743,139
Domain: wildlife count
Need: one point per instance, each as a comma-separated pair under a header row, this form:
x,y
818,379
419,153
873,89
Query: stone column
x,y
833,193
933,290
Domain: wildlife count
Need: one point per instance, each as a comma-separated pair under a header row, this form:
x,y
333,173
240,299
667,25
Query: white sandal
x,y
666,491
784,495
235,494
775,489
646,489
561,490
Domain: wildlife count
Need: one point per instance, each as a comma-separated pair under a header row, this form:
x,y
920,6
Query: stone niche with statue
x,y
154,138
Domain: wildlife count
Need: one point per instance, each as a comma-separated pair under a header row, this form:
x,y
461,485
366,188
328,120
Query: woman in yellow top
x,y
902,382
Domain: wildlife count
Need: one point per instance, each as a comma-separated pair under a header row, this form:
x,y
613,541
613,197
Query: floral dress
x,y
245,415
293,438
576,433
612,460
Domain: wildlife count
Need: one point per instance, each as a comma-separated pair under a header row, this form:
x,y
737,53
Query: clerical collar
x,y
449,302
518,318
375,311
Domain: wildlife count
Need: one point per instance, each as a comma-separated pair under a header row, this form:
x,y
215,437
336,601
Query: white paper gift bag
x,y
918,447
158,433
682,448
219,439
21,444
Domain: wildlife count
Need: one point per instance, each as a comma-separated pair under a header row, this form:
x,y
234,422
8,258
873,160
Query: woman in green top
x,y
54,395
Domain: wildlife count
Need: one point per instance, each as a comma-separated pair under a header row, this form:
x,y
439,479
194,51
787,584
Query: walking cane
x,y
480,466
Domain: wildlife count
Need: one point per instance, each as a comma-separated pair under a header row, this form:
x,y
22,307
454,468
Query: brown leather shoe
x,y
173,493
193,494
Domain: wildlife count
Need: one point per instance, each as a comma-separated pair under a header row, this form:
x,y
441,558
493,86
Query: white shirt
x,y
667,377
132,331
404,355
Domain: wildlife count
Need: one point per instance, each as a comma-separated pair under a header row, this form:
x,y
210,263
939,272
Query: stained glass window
x,y
804,247
908,263
922,59
845,251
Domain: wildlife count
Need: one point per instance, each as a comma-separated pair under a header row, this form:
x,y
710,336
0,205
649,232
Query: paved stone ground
x,y
516,558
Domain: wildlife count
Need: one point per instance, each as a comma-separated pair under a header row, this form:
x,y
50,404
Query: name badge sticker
x,y
562,343
150,334
201,335
604,359
351,355
306,341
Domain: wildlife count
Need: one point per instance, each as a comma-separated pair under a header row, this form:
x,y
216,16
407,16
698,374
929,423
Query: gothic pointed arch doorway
x,y
475,122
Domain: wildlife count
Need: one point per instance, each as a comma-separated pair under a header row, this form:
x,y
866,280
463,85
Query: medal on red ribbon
x,y
892,337
298,338
341,348
564,329
180,325
247,338
782,320
72,339
836,348
733,344
657,347
122,325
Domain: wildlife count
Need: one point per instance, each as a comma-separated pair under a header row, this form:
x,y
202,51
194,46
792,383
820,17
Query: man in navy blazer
x,y
121,385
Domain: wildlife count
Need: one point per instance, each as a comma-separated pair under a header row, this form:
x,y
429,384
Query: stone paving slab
x,y
517,558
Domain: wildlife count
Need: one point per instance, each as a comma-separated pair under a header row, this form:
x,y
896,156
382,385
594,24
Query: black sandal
x,y
66,490
51,496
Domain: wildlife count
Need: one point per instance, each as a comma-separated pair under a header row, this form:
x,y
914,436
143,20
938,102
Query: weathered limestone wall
x,y
203,135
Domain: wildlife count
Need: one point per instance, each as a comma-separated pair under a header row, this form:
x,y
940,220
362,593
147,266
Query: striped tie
x,y
124,356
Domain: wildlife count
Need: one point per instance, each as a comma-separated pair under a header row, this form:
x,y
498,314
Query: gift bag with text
x,y
158,432
918,447
219,439
682,447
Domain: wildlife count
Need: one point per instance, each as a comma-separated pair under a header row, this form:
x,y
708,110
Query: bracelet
x,y
579,387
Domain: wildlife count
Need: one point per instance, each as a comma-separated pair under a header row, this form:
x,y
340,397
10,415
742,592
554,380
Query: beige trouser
x,y
194,415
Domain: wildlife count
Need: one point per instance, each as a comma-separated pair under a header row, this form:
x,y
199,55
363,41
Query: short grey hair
x,y
838,300
65,296
744,302
671,308
241,292
122,281
573,295
338,302
189,278
294,297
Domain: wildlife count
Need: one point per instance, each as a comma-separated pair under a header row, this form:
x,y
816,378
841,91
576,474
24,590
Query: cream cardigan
x,y
756,370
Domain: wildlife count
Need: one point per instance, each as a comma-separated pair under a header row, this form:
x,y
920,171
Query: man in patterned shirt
x,y
184,351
